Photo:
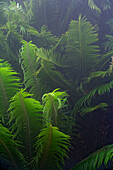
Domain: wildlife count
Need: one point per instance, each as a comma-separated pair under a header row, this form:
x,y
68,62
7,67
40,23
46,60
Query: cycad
x,y
40,74
81,51
29,66
9,148
26,119
102,88
51,147
49,77
44,38
104,155
52,103
9,85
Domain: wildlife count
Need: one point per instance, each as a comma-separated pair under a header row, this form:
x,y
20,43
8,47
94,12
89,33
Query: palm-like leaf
x,y
91,109
99,90
86,100
95,160
25,113
51,56
51,146
29,66
9,148
81,51
40,74
49,77
9,85
44,39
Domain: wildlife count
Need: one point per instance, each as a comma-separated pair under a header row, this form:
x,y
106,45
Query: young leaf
x,y
52,103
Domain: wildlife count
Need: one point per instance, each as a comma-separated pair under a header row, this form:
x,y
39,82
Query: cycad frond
x,y
26,118
9,148
52,103
96,159
9,85
51,147
81,51
86,100
91,109
100,74
29,66
45,39
49,77
51,56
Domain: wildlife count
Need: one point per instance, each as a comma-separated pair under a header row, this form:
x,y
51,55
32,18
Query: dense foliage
x,y
60,74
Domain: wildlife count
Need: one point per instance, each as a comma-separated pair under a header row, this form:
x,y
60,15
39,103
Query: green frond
x,y
93,6
51,148
9,85
29,9
96,159
108,44
52,103
11,30
91,109
49,77
86,100
81,51
51,56
40,74
9,148
26,119
45,39
106,88
28,62
100,74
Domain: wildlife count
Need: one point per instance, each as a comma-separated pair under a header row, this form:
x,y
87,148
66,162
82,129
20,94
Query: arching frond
x,y
100,74
49,77
81,51
86,100
40,73
9,148
96,159
51,56
52,103
29,66
26,119
51,147
44,38
91,109
9,85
